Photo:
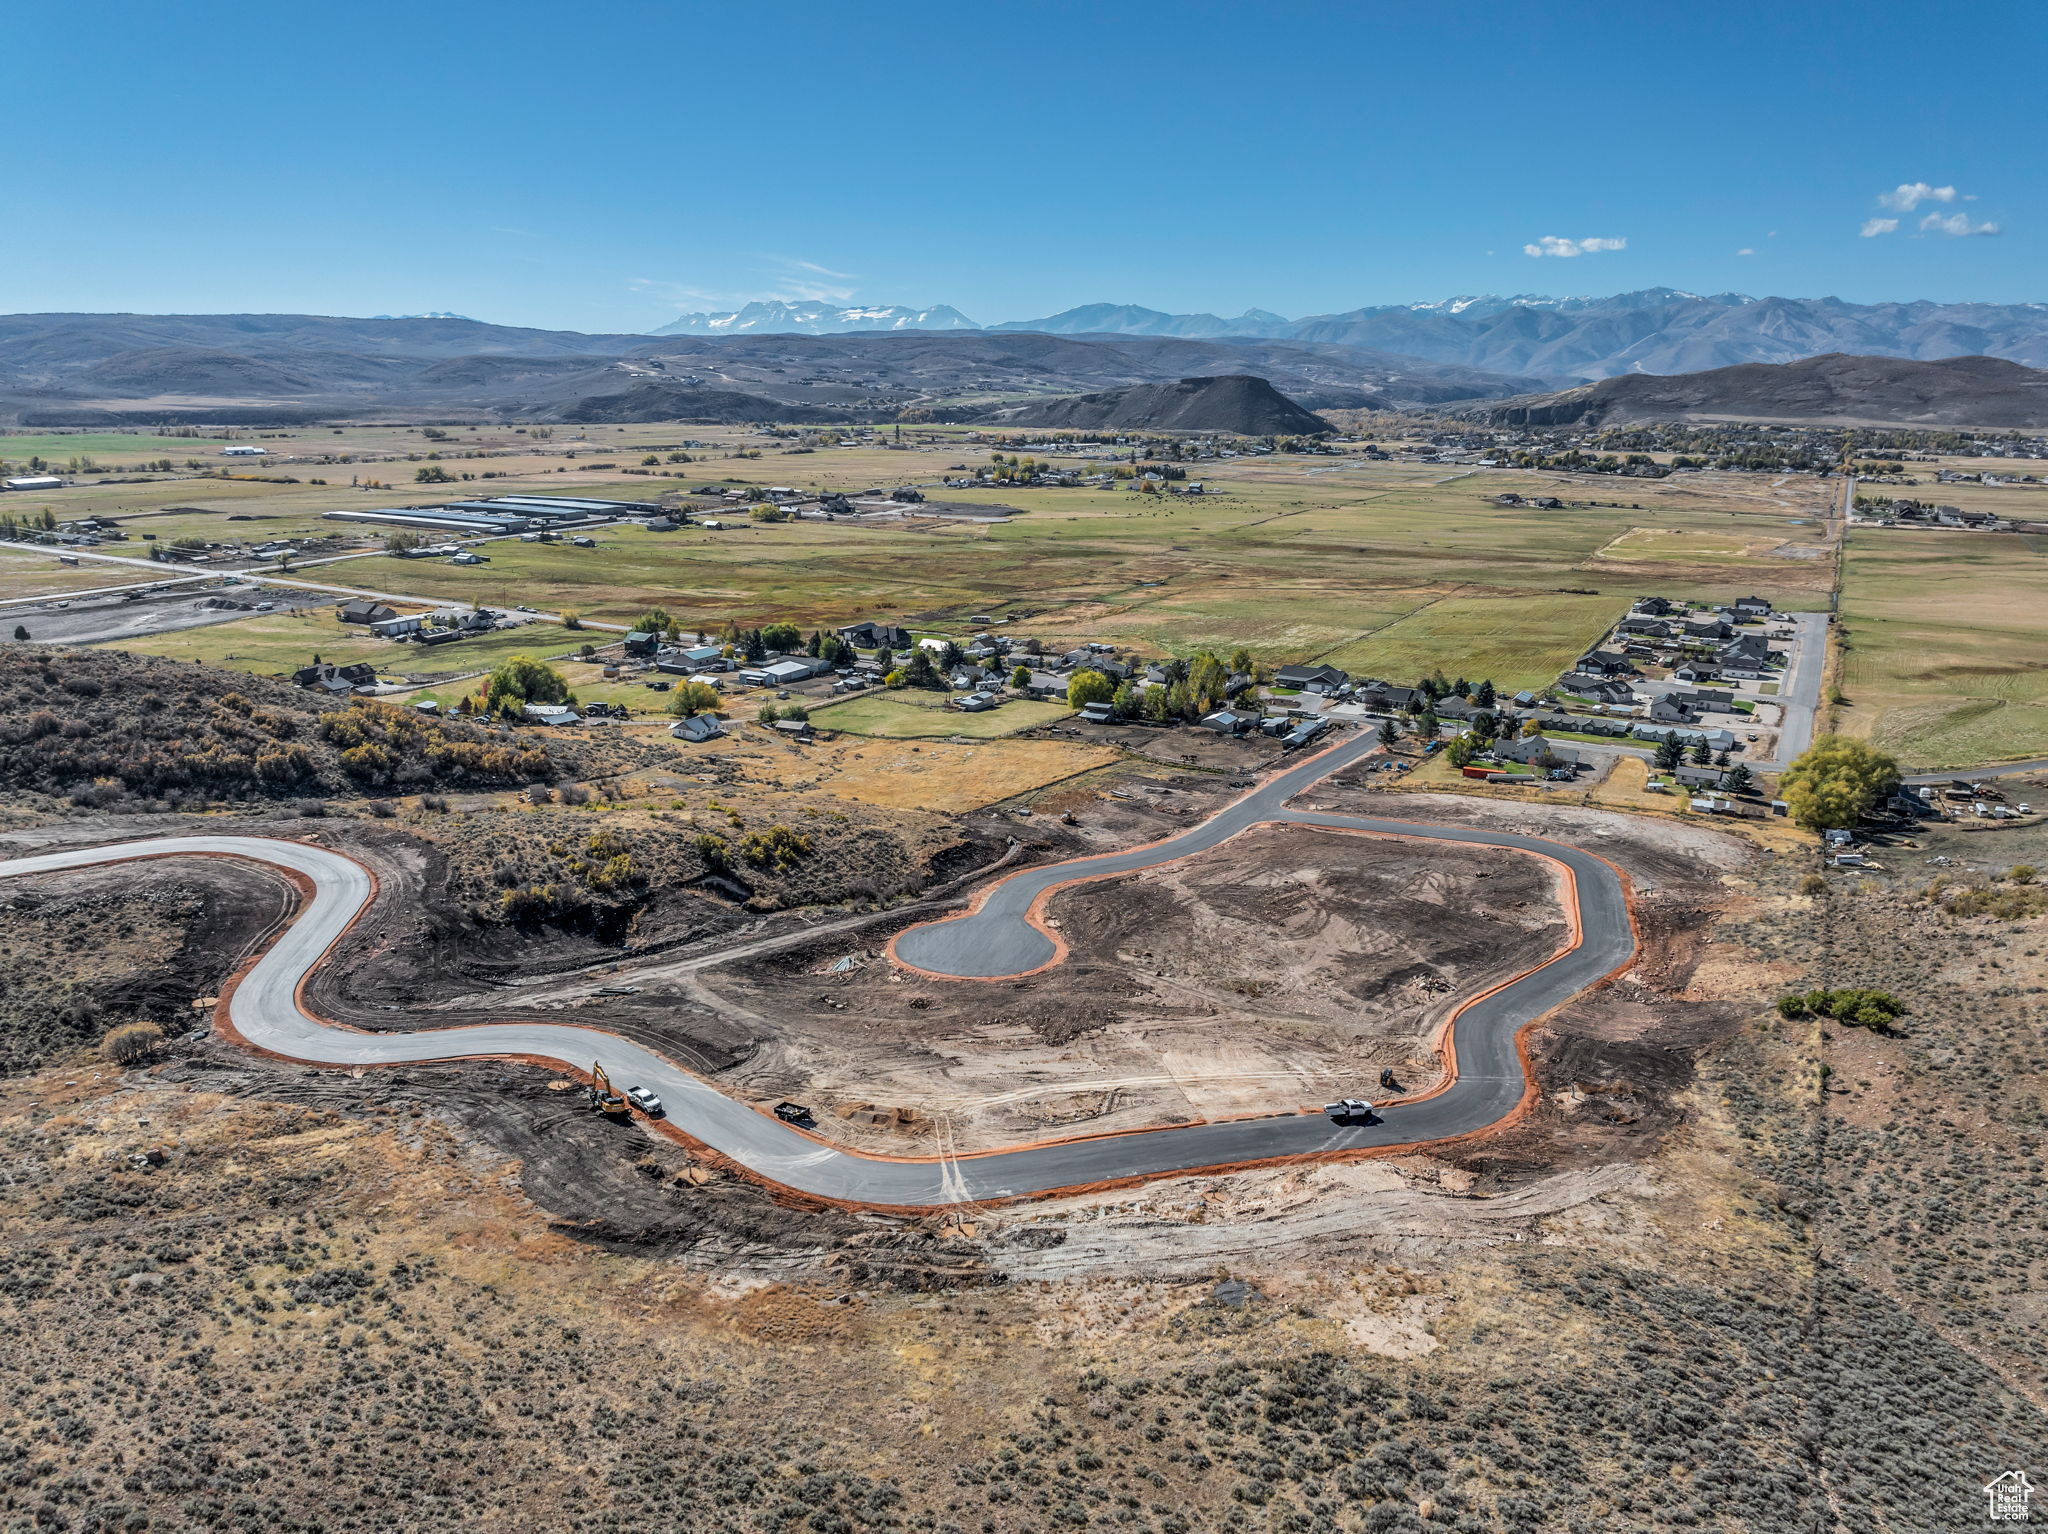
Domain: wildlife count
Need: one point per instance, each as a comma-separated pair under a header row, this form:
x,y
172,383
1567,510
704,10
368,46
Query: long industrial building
x,y
499,514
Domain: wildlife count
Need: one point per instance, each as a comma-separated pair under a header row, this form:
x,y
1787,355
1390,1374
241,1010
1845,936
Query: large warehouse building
x,y
500,514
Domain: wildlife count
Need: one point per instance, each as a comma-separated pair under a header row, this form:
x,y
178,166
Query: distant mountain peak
x,y
430,314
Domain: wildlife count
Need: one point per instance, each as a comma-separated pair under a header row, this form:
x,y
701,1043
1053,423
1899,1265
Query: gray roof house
x,y
697,727
1599,689
1535,751
363,610
549,713
1228,721
1310,678
870,635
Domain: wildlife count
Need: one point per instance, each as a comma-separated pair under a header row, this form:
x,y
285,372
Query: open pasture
x,y
1946,635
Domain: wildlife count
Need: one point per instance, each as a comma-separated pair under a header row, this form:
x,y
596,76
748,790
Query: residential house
x,y
1699,777
642,642
1652,607
1669,710
1310,678
1535,751
1229,721
1695,671
697,728
1044,684
1644,628
692,659
1706,699
1752,607
1605,663
1303,733
336,679
784,670
870,635
1595,689
1099,713
968,678
549,713
363,610
1709,628
1749,651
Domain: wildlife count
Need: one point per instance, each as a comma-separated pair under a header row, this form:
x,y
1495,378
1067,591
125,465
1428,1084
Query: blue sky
x,y
608,166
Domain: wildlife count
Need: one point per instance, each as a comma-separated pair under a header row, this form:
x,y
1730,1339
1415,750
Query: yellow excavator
x,y
602,1097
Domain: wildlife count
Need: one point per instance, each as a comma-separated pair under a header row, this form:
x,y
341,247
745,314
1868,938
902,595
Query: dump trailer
x,y
602,1097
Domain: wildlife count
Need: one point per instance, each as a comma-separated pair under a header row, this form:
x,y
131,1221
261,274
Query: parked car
x,y
645,1101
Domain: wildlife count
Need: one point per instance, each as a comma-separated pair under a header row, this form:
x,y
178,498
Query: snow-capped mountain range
x,y
1656,330
774,317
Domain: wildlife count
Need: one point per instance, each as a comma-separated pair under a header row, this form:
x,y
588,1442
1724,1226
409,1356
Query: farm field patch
x,y
1946,662
899,717
30,575
1518,642
272,644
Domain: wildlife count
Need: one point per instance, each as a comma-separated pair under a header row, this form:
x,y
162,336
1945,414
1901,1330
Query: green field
x,y
1947,645
273,644
1517,642
1396,569
900,716
114,447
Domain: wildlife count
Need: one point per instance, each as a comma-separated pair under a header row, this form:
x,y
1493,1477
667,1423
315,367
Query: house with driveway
x,y
1311,678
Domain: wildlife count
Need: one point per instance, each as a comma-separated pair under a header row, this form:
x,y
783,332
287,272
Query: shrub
x,y
778,848
1813,884
1875,1010
131,1043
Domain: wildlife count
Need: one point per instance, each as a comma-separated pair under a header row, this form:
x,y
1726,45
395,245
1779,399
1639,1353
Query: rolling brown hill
x,y
1826,390
1236,403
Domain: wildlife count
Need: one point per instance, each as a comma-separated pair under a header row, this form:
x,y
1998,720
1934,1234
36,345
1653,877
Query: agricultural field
x,y
1946,636
272,644
906,716
1517,642
35,575
1393,568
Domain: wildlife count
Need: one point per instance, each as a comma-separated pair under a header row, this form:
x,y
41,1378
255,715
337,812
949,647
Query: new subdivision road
x,y
1001,936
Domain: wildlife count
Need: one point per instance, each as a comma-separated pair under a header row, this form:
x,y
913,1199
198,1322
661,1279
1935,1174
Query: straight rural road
x,y
998,937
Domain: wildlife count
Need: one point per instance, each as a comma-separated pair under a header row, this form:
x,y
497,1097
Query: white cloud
x,y
1872,227
1551,245
1745,251
1956,224
787,278
1908,195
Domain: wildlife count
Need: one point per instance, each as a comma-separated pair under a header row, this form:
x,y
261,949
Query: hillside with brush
x,y
107,729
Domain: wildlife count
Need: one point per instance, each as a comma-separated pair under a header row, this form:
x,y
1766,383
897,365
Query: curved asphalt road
x,y
265,1010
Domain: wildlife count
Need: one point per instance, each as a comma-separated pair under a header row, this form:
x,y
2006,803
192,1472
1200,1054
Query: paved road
x,y
1799,691
1975,774
265,1011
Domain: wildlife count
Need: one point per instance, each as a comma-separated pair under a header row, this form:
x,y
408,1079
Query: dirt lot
x,y
1288,966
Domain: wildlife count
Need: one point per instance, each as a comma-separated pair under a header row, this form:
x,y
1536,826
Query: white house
x,y
245,452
